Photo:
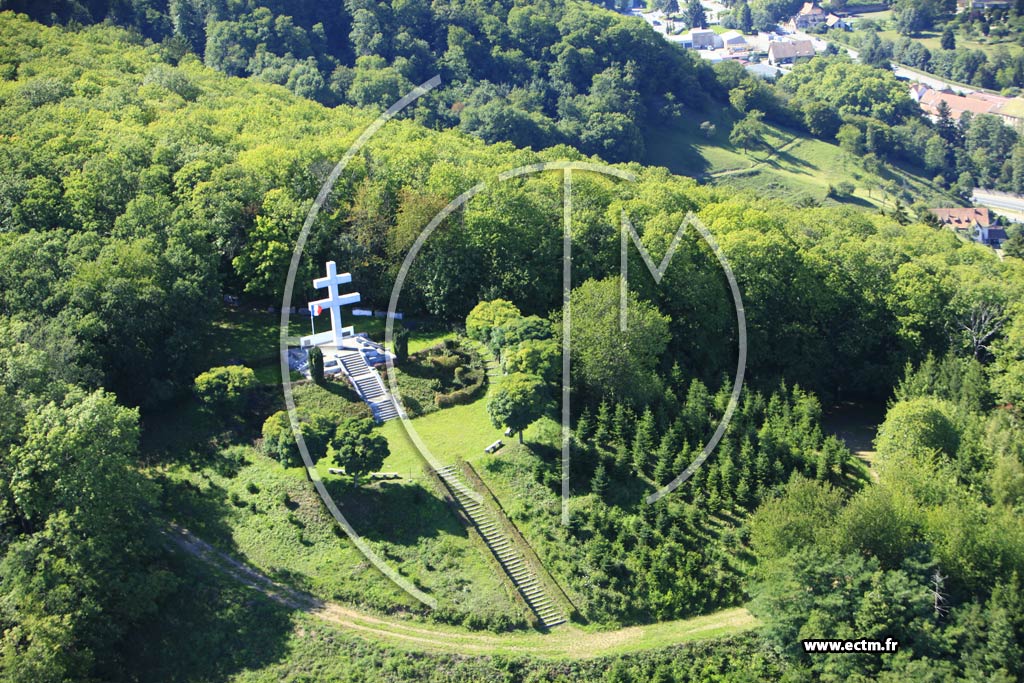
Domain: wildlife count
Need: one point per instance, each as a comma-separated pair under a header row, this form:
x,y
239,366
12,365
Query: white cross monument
x,y
333,302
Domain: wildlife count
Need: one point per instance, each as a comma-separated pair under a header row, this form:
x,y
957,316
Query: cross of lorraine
x,y
334,301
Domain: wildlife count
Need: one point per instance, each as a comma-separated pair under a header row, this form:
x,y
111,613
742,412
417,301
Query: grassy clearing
x,y
219,486
334,397
248,505
450,434
795,168
335,621
247,337
933,41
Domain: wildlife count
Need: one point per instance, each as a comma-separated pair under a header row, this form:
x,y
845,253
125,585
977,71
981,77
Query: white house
x,y
705,39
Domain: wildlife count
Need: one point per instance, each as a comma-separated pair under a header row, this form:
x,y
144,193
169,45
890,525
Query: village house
x,y
787,52
980,5
809,16
1009,109
973,223
833,20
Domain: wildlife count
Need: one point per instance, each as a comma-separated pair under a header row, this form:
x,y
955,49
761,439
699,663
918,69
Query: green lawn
x,y
878,17
250,506
450,434
797,167
248,337
933,41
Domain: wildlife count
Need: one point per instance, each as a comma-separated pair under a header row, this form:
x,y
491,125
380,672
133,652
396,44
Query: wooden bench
x,y
494,446
508,432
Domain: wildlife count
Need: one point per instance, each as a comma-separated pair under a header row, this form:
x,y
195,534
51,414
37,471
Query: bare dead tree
x,y
938,596
980,324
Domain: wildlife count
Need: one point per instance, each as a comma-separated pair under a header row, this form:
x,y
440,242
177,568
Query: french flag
x,y
317,309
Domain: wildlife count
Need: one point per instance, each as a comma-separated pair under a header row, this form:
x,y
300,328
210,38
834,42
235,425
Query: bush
x,y
225,390
316,364
401,343
486,316
279,442
843,188
459,396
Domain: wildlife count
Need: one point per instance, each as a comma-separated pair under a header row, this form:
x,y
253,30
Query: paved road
x,y
929,80
1010,204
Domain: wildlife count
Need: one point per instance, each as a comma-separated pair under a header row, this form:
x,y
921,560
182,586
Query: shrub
x,y
401,343
316,364
488,315
225,390
279,440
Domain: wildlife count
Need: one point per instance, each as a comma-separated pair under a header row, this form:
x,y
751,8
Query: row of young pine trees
x,y
767,440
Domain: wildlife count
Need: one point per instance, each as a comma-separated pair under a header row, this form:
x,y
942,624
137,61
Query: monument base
x,y
325,338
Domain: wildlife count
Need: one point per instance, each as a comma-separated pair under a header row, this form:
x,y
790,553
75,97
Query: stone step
x,y
504,550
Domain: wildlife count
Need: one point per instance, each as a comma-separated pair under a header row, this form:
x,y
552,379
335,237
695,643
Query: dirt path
x,y
564,641
856,426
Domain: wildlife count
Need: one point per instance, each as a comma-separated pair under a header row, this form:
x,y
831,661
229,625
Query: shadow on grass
x,y
201,509
209,629
856,201
396,512
675,146
798,165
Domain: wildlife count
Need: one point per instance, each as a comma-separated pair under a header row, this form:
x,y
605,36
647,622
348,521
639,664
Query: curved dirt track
x,y
568,641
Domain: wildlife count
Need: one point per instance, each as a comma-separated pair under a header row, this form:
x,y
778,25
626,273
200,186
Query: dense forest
x,y
558,71
139,186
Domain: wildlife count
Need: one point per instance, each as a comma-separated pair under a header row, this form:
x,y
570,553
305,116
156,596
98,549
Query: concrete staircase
x,y
504,549
369,385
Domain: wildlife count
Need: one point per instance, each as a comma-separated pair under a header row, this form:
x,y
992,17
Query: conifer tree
x,y
599,482
584,426
603,426
643,443
622,425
